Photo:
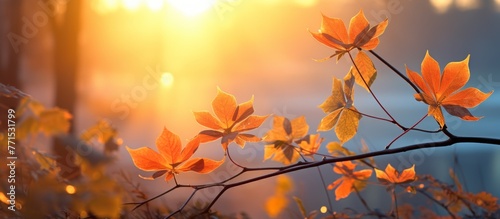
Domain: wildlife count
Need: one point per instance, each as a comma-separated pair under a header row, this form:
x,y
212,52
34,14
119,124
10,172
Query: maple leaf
x,y
444,89
171,159
280,140
232,119
349,180
340,109
391,176
333,33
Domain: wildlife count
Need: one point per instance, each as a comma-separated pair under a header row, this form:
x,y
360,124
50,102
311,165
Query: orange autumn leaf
x,y
333,33
346,184
280,140
340,109
309,145
391,176
230,121
171,159
367,72
444,89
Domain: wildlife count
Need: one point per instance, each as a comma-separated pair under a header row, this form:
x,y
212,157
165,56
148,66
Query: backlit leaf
x,y
333,33
340,114
229,121
443,90
392,176
367,70
349,179
171,159
280,141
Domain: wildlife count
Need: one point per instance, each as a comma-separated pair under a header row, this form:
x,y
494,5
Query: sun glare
x,y
192,7
167,79
131,4
154,5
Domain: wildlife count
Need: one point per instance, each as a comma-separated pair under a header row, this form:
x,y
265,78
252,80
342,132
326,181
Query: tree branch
x,y
301,166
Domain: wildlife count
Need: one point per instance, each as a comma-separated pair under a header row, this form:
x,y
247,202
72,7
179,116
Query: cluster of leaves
x,y
40,187
95,194
290,143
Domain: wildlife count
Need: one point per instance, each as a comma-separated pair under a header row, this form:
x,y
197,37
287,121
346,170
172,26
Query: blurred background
x,y
143,65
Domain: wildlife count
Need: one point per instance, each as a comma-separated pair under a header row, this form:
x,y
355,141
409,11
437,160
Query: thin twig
x,y
369,89
395,71
363,201
395,201
395,123
301,165
437,202
406,131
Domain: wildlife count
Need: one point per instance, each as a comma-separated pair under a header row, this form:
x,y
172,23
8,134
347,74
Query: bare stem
x,y
437,202
395,202
395,71
395,123
406,131
369,89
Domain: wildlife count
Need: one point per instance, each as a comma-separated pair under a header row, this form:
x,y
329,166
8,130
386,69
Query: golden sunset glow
x,y
154,5
131,4
192,7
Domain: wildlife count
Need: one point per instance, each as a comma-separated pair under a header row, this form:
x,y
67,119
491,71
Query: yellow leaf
x,y
347,125
336,149
281,139
368,72
341,113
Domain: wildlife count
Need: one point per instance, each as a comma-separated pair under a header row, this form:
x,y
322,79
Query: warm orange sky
x,y
248,47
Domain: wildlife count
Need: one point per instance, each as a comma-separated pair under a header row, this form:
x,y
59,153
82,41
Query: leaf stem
x,y
395,201
406,131
232,161
437,202
395,123
369,89
326,191
363,201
